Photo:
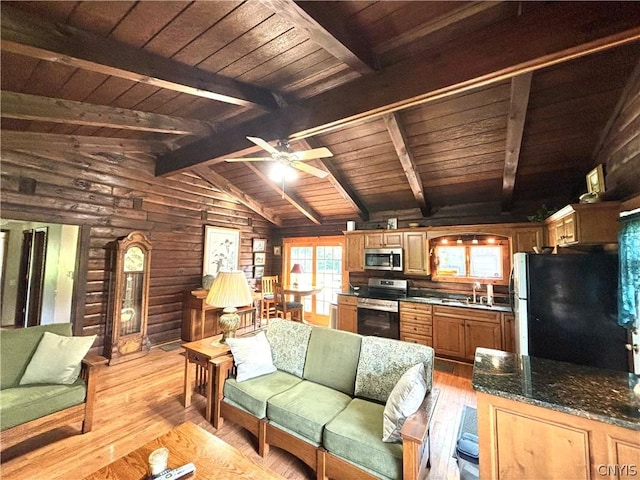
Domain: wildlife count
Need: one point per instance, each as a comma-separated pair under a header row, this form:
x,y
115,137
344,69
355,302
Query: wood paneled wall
x,y
114,194
619,150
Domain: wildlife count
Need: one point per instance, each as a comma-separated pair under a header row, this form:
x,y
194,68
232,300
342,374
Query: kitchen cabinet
x,y
416,323
354,252
524,239
416,260
348,313
558,445
584,224
458,331
508,332
383,239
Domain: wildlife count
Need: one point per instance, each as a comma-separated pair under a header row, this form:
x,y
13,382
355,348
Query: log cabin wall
x,y
113,194
619,149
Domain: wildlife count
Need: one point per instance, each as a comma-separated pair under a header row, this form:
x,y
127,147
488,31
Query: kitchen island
x,y
540,419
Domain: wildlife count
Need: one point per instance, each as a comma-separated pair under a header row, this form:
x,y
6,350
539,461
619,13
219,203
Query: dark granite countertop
x,y
603,395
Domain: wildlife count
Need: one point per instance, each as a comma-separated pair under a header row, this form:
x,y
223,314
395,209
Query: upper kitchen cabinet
x,y
524,239
416,259
354,252
383,239
584,224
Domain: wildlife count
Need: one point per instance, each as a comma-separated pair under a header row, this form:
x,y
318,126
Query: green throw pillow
x,y
57,359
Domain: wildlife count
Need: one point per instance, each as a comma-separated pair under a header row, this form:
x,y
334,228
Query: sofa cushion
x,y
252,356
288,342
17,346
252,395
23,404
383,361
57,360
355,435
332,358
306,408
404,400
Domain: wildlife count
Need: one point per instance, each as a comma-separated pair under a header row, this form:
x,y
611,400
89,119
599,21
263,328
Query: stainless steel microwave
x,y
383,259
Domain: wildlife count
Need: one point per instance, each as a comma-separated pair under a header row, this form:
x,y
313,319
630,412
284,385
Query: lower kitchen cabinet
x,y
457,332
415,323
519,440
347,313
508,333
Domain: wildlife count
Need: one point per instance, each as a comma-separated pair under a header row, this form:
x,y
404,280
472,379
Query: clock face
x,y
134,260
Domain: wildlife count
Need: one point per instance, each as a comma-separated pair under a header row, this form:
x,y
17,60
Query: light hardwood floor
x,y
139,400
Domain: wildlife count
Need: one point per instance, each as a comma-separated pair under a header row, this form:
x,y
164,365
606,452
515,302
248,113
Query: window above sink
x,y
469,258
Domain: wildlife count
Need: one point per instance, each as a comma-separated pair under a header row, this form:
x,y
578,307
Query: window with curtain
x,y
629,281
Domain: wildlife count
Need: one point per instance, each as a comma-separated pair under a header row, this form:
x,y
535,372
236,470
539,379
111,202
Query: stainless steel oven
x,y
379,308
380,318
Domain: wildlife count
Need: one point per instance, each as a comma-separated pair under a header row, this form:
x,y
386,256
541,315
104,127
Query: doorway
x,y
321,260
31,277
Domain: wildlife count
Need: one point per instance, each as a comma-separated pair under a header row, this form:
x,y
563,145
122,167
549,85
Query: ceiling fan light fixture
x,y
280,172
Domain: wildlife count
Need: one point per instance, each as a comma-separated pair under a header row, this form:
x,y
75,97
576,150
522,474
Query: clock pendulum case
x,y
130,260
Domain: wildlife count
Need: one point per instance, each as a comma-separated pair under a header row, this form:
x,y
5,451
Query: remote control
x,y
176,473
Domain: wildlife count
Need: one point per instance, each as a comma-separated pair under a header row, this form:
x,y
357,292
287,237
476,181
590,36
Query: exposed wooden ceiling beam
x,y
223,185
481,58
319,23
338,181
520,88
46,109
36,37
399,139
300,204
12,140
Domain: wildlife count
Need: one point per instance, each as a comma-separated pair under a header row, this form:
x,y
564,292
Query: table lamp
x,y
296,270
229,290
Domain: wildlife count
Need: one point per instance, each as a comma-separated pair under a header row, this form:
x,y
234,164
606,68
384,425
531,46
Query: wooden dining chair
x,y
285,308
267,302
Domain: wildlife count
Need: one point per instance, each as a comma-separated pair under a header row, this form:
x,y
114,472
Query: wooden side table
x,y
198,369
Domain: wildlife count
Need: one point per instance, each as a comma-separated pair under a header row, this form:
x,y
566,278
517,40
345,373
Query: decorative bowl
x,y
414,224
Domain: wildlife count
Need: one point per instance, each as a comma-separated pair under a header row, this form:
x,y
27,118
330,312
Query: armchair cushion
x,y
383,361
406,397
17,346
57,360
355,436
23,404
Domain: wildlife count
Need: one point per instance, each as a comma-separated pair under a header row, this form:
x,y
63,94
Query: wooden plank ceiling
x,y
427,107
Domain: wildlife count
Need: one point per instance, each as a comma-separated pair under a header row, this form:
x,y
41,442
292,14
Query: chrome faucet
x,y
476,285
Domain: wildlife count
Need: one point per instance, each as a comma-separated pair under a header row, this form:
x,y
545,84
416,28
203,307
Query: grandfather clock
x,y
129,297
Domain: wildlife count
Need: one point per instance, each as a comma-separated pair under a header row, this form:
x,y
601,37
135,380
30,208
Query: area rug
x,y
468,424
442,366
168,347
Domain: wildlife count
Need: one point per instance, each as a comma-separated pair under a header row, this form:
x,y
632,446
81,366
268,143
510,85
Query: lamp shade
x,y
229,289
297,268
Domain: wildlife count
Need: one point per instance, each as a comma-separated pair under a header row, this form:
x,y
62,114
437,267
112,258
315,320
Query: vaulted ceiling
x,y
427,107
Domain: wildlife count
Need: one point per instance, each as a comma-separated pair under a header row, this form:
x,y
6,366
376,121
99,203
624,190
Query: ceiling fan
x,y
282,154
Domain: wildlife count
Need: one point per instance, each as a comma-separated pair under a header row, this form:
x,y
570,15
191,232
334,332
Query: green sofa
x,y
28,410
325,402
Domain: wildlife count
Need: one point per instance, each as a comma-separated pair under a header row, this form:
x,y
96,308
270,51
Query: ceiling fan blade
x,y
322,152
309,169
263,144
248,159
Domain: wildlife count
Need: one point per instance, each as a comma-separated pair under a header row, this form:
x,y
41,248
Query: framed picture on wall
x,y
277,250
259,258
595,180
221,247
258,272
259,244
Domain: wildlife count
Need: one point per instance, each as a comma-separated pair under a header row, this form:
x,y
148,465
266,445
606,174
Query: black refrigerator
x,y
566,309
